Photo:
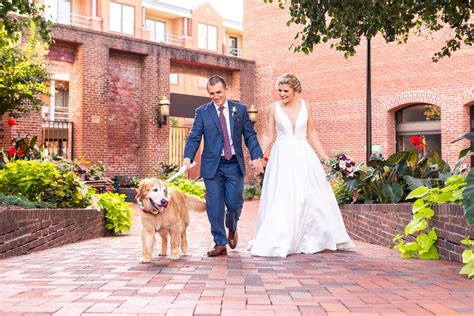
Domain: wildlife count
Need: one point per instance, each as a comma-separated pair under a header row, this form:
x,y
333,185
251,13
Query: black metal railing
x,y
58,137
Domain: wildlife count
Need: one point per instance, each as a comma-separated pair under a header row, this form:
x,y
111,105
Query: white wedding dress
x,y
298,211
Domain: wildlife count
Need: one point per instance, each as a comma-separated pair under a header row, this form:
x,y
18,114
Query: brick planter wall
x,y
26,230
379,223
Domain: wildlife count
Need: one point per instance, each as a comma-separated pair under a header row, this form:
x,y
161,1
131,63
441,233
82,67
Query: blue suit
x,y
224,179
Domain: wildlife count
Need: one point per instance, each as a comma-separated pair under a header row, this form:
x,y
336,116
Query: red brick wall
x,y
116,83
25,230
335,87
379,223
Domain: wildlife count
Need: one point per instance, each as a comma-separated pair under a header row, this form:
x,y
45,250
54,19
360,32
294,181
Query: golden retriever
x,y
165,210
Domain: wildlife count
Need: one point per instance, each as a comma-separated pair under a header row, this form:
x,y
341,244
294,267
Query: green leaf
x,y
431,254
468,269
467,256
468,197
415,225
413,182
417,193
393,192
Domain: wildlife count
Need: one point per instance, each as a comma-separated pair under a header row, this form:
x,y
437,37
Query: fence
x,y
58,137
178,135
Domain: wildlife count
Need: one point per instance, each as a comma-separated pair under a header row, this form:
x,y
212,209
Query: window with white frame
x,y
174,79
122,18
157,30
207,37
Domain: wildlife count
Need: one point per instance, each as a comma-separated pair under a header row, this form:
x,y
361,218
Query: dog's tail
x,y
195,204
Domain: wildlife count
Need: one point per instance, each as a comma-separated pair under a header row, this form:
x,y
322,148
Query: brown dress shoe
x,y
233,238
219,250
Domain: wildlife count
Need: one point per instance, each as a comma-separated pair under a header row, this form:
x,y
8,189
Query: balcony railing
x,y
176,40
58,137
237,52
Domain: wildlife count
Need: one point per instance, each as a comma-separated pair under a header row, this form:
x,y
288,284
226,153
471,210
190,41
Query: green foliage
x,y
23,73
250,191
424,246
31,12
468,258
344,23
42,181
343,196
468,198
23,202
118,215
188,186
390,180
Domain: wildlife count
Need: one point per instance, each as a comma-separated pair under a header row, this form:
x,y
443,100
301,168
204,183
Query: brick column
x,y
154,146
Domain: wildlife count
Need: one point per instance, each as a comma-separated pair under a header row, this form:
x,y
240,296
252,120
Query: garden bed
x,y
379,223
25,230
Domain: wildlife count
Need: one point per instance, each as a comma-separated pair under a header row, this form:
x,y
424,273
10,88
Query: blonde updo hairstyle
x,y
290,80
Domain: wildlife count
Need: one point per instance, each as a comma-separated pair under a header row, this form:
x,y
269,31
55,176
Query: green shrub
x,y
342,195
118,215
250,190
42,181
23,202
188,186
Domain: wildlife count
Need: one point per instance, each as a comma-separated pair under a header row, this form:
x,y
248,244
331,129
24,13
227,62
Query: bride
x,y
298,211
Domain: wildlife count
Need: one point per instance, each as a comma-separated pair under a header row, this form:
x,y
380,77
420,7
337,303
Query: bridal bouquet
x,y
341,166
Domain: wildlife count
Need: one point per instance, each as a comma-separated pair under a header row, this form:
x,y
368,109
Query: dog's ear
x,y
143,188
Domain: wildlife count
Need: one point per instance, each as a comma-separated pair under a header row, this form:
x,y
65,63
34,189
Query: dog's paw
x,y
144,260
174,257
162,254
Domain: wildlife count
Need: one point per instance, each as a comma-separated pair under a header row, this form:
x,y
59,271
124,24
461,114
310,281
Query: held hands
x,y
257,165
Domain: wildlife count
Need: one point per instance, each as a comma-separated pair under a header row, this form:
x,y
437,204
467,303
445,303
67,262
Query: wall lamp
x,y
252,111
164,111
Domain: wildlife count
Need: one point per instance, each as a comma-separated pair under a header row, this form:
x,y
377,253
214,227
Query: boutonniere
x,y
234,110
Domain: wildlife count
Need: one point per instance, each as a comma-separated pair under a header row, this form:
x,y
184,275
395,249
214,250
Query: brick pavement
x,y
103,276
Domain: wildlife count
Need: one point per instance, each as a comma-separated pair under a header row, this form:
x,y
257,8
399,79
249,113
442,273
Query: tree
x,y
18,15
346,21
22,66
23,73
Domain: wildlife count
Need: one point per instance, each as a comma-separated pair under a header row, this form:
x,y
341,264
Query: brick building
x,y
113,61
411,95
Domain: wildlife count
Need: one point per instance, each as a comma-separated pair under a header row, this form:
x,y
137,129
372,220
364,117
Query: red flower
x,y
20,152
417,141
12,151
11,122
265,159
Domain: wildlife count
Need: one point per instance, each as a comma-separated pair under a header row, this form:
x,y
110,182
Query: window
x,y
122,18
157,30
174,79
58,11
416,120
207,37
202,82
233,46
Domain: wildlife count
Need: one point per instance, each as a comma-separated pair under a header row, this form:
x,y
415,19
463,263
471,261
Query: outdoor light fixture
x,y
164,111
252,111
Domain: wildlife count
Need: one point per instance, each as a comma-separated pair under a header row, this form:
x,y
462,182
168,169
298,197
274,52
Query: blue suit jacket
x,y
206,124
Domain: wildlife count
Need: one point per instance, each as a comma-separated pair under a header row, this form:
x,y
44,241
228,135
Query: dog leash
x,y
180,172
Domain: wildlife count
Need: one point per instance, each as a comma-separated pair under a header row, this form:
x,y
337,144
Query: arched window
x,y
419,120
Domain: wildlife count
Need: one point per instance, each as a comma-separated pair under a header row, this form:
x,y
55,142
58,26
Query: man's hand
x,y
257,165
187,163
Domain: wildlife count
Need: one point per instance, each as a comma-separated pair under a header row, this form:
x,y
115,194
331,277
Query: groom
x,y
222,123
